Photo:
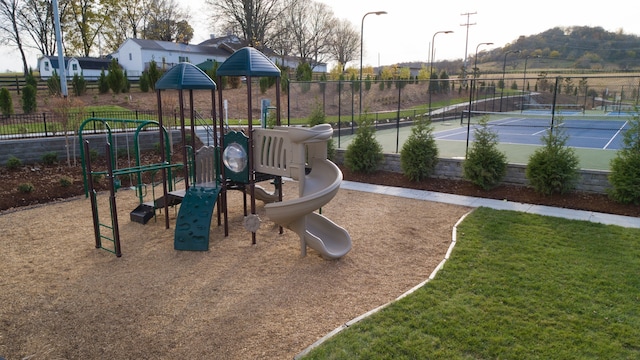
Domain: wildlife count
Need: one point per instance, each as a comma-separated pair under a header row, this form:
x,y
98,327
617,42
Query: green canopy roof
x,y
185,76
248,61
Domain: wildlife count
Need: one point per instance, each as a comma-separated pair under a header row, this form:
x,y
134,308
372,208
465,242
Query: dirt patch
x,y
62,298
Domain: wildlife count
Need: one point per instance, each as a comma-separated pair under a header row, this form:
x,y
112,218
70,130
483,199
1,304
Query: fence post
x,y
44,120
17,85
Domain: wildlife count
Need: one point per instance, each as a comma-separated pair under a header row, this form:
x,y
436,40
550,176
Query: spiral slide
x,y
315,230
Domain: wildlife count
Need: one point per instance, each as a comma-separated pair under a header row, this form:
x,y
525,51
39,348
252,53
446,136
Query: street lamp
x,y
361,42
471,89
504,66
524,81
433,39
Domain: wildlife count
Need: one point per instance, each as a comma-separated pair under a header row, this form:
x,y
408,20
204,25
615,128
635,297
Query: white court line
x,y
614,136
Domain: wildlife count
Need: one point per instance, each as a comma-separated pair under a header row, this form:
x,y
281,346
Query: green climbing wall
x,y
194,219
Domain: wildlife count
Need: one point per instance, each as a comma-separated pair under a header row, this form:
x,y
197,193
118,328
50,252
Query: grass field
x,y
517,286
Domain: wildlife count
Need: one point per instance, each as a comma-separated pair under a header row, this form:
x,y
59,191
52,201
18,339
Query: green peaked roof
x,y
185,76
248,61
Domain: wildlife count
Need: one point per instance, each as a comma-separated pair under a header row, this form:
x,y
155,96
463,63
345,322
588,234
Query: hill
x,y
575,47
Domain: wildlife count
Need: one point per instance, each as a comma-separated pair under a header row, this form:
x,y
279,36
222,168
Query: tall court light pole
x,y
504,67
433,39
361,50
471,89
524,81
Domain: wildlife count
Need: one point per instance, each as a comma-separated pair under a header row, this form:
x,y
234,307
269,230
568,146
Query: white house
x,y
89,68
134,55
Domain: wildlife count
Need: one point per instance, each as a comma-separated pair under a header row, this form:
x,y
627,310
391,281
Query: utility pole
x,y
467,24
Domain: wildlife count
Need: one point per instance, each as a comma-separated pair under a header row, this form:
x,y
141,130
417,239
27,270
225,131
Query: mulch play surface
x,y
61,298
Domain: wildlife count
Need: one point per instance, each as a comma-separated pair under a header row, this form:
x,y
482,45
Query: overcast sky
x,y
405,33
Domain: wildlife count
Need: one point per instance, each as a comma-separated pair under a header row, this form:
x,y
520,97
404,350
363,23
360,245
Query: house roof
x,y
248,61
178,47
185,76
86,63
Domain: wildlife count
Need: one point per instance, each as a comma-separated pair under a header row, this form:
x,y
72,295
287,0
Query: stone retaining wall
x,y
31,150
590,180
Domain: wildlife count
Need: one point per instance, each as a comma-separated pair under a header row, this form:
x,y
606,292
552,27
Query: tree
x,y
167,22
84,20
6,102
364,154
127,21
485,165
309,25
419,154
29,103
37,20
252,20
115,77
345,42
553,168
625,167
10,28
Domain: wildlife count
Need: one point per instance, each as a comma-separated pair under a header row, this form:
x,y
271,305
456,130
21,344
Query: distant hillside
x,y
576,47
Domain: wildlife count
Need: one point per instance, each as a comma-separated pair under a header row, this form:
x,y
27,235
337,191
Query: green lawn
x,y
517,286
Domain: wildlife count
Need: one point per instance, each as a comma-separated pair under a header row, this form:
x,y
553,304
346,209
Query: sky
x,y
406,32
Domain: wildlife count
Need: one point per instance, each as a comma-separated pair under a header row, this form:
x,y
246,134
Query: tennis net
x,y
573,120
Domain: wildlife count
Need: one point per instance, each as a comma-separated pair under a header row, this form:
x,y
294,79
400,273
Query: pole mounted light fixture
x,y
361,51
504,67
433,39
471,89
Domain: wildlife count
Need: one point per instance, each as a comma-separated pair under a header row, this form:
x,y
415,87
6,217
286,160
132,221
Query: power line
x,y
467,24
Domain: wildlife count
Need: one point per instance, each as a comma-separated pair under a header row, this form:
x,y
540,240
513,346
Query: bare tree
x,y
10,27
310,26
253,19
37,20
345,43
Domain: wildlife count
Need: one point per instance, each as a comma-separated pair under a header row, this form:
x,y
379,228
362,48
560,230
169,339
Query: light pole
x,y
433,39
504,67
361,52
524,81
471,89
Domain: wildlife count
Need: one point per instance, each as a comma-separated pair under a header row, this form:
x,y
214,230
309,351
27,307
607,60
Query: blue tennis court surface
x,y
604,131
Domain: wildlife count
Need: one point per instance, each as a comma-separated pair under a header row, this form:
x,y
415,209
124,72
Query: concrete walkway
x,y
625,221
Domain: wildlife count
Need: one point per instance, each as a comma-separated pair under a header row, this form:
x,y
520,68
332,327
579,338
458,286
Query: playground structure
x,y
237,160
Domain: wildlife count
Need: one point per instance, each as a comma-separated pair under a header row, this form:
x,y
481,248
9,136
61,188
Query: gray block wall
x,y
595,181
31,150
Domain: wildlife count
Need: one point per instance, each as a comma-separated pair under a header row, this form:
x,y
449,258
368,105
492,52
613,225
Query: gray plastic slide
x,y
314,230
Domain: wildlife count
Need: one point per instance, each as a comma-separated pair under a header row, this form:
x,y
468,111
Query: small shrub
x,y
485,165
103,85
53,84
30,79
364,154
6,102
96,178
122,153
50,158
419,154
144,82
93,154
79,85
317,116
115,77
13,163
29,102
625,167
26,188
66,181
553,168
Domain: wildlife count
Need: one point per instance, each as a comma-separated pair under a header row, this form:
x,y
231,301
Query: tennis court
x,y
595,130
